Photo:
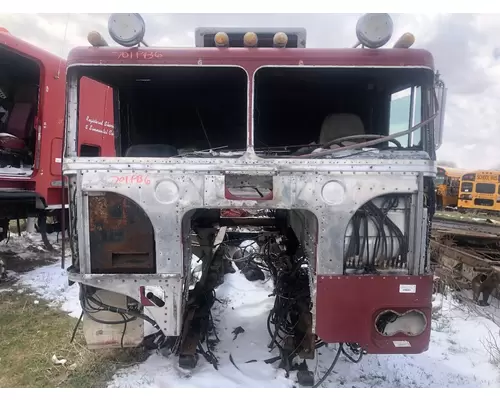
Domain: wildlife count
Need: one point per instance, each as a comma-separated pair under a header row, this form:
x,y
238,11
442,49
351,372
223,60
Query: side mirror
x,y
440,91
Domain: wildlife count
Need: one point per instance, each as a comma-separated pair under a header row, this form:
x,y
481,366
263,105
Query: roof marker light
x,y
405,41
250,39
280,39
374,30
96,40
221,39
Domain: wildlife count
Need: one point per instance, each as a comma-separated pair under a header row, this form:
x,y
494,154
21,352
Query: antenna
x,y
63,46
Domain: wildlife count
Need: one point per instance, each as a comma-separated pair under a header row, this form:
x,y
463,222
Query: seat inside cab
x,y
341,125
19,91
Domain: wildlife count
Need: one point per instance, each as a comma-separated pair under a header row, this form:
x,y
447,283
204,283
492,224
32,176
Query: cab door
x,y
96,125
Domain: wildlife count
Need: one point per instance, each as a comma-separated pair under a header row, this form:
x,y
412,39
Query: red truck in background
x,y
32,106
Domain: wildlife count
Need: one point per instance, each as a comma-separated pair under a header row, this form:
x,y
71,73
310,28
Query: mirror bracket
x,y
440,90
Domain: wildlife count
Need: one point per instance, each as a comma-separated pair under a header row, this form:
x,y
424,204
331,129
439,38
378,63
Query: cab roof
x,y
251,58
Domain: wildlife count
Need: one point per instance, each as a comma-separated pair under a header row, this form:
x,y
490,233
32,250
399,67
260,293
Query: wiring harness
x,y
91,304
385,247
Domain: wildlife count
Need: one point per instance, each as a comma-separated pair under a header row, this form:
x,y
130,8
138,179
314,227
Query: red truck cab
x,y
329,152
32,105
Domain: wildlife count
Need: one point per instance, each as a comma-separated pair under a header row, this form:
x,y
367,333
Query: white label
x,y
407,288
401,343
58,160
99,126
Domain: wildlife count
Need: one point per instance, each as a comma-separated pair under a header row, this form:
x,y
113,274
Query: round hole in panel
x,y
333,193
166,191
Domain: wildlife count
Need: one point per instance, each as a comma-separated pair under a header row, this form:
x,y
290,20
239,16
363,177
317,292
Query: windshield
x,y
439,180
304,111
466,187
485,188
175,111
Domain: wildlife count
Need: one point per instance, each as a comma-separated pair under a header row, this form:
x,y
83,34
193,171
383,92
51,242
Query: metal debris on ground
x,y
467,259
58,361
236,331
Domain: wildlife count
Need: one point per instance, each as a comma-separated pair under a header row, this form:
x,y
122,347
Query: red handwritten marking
x,y
140,55
132,179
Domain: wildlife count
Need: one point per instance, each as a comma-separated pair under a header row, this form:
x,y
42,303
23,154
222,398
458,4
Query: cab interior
x,y
19,92
170,110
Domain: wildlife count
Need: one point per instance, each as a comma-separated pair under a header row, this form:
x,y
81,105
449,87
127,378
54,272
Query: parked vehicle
x,y
331,152
32,103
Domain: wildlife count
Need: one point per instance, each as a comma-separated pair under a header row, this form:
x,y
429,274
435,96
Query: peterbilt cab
x,y
329,152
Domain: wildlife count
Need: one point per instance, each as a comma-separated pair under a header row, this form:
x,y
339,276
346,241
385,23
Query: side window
x,y
486,188
406,112
88,150
466,187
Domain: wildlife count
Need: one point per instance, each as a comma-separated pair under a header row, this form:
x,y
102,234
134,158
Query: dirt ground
x,y
32,333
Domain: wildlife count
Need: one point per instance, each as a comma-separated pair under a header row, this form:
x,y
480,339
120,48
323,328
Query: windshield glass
x,y
174,111
467,187
485,188
439,180
300,111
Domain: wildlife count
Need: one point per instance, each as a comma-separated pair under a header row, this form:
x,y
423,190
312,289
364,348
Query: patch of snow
x,y
456,356
249,246
11,275
29,246
51,284
491,312
5,290
9,170
246,304
196,270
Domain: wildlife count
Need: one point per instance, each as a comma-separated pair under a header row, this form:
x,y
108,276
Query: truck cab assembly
x,y
252,153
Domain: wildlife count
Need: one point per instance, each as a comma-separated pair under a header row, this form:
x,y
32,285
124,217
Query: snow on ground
x,y
456,357
29,245
51,283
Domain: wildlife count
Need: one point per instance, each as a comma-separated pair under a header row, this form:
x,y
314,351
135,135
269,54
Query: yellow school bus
x,y
480,190
448,187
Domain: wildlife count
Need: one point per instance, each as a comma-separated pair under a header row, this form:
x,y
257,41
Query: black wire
x,y
208,355
213,326
130,312
386,232
329,370
76,327
85,307
117,310
350,358
124,329
288,292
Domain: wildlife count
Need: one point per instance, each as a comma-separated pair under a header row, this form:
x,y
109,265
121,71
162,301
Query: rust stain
x,y
100,215
121,236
